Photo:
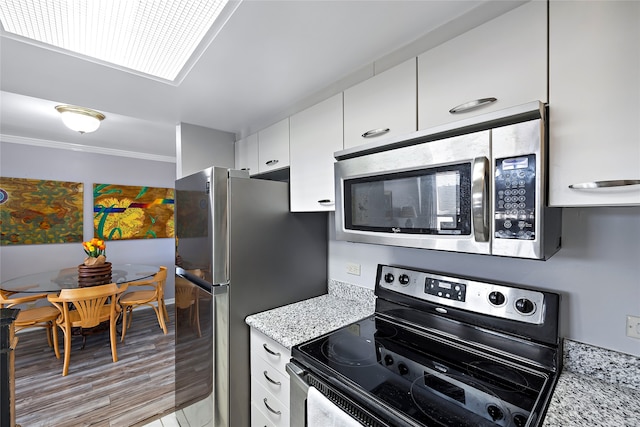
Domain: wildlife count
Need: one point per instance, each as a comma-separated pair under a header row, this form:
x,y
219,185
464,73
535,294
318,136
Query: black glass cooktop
x,y
432,381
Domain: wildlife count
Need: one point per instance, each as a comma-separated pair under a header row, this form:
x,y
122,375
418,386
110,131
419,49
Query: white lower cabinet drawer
x,y
269,350
272,380
268,407
258,419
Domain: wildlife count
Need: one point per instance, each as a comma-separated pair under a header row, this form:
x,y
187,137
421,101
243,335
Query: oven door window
x,y
427,201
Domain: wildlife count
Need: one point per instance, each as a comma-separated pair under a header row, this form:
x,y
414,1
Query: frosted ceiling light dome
x,y
80,119
153,37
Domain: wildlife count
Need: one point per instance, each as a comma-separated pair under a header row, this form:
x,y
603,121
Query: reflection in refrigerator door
x,y
240,251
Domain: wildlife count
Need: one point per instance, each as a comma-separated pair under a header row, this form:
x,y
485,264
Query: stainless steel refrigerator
x,y
239,251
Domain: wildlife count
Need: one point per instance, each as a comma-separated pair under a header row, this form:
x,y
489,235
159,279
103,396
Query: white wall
x,y
597,271
198,148
35,162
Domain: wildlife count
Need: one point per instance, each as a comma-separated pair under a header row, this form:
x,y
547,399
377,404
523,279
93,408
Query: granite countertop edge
x,y
597,387
296,323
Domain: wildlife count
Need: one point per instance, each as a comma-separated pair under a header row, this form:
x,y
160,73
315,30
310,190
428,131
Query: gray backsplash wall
x,y
597,271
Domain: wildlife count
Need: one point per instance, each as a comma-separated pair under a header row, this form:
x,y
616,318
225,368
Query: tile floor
x,y
166,421
196,415
177,419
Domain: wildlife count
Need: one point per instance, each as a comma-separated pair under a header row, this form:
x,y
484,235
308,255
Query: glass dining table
x,y
67,278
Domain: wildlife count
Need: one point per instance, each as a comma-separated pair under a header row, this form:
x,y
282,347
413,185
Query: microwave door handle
x,y
480,198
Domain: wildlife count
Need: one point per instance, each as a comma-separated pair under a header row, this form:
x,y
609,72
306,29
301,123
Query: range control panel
x,y
499,300
445,289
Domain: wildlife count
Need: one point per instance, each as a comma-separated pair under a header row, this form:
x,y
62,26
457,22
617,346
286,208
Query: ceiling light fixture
x,y
80,119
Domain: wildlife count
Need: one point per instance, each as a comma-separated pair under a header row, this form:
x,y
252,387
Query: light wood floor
x,y
97,392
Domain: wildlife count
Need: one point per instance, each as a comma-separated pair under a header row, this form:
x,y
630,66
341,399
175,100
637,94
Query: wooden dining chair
x,y
153,297
31,317
87,308
186,298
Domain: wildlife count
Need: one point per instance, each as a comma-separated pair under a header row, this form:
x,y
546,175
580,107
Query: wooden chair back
x,y
185,292
88,304
8,300
151,298
92,305
31,316
158,281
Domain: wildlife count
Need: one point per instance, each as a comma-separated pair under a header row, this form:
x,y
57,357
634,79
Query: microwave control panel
x,y
515,198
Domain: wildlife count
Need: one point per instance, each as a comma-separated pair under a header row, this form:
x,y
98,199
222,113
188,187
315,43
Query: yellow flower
x,y
94,247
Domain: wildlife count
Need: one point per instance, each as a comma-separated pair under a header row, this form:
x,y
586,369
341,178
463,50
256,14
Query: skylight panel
x,y
153,37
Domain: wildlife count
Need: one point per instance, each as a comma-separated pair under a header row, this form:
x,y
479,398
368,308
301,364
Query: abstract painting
x,y
37,211
129,212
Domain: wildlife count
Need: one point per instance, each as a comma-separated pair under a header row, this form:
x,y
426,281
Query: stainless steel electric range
x,y
440,350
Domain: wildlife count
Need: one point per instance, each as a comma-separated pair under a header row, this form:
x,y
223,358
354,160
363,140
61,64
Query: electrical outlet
x,y
633,326
353,268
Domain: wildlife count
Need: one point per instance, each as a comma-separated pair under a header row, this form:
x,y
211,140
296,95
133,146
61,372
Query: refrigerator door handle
x,y
213,289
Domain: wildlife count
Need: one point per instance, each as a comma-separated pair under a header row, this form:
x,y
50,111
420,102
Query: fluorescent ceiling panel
x,y
153,37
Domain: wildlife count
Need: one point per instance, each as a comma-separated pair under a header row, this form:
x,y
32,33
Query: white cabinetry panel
x,y
385,101
316,133
505,58
594,101
246,154
269,381
273,146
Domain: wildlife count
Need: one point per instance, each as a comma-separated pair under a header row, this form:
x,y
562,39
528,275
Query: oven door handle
x,y
480,198
298,391
295,374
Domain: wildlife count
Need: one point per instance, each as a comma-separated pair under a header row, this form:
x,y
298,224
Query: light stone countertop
x,y
597,387
299,322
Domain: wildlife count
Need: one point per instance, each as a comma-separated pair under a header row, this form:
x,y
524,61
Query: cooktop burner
x,y
353,349
348,351
438,365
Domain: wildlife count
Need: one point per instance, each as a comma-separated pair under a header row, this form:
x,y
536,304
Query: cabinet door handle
x,y
605,184
245,169
270,408
326,202
472,105
266,375
271,162
268,350
375,132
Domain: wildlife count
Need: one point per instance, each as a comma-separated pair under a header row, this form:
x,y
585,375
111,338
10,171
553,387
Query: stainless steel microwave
x,y
475,186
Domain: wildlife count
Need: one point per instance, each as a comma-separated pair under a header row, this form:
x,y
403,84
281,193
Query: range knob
x,y
404,279
403,369
388,360
519,420
389,278
495,413
496,298
525,306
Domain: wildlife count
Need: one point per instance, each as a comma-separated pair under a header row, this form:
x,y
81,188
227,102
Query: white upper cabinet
x,y
316,133
246,154
504,59
382,106
273,147
594,103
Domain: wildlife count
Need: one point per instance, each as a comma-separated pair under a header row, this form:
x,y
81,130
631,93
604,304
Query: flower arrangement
x,y
95,249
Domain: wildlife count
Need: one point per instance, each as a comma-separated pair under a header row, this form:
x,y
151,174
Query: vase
x,y
94,275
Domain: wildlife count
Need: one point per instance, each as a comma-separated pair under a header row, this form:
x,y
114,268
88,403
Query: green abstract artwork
x,y
130,212
37,211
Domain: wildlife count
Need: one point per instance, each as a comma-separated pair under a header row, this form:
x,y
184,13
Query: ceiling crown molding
x,y
84,148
